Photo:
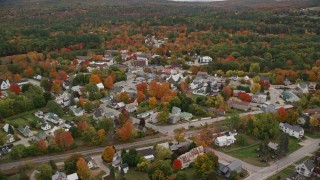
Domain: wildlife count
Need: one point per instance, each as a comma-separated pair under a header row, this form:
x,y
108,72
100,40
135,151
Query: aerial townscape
x,y
159,89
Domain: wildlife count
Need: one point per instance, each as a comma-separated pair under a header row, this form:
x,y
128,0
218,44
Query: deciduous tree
x,y
124,133
108,154
83,169
179,134
108,82
15,88
177,164
152,102
95,79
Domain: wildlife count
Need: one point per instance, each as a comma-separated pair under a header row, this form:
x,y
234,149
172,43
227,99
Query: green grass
x,y
293,145
133,174
191,173
311,135
18,122
250,142
248,154
283,174
302,160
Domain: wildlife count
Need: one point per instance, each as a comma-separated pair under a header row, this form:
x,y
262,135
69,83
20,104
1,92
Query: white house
x,y
259,98
154,117
6,128
174,78
51,117
73,176
4,84
10,138
131,107
306,168
295,131
45,126
224,140
100,86
77,111
39,114
145,114
205,60
124,168
189,157
37,77
90,162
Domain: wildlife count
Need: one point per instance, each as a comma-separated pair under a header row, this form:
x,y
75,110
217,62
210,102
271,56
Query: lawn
x,y
312,135
17,122
248,154
191,173
250,142
283,174
133,174
293,145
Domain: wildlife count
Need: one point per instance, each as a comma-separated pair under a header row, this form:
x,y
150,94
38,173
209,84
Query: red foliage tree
x,y
15,88
82,126
142,87
244,97
177,164
108,82
282,114
140,96
62,75
63,138
43,145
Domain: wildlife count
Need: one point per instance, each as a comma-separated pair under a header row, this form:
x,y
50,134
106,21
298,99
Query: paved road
x,y
45,159
266,172
170,128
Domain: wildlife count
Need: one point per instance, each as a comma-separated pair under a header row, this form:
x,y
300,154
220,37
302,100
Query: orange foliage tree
x,y
142,87
140,96
124,97
28,72
83,169
42,145
95,79
152,102
108,154
108,82
124,133
82,126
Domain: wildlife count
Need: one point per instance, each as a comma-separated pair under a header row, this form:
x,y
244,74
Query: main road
x,y
45,159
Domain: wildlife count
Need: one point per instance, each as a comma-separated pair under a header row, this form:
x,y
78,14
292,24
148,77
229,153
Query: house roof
x,y
234,165
273,146
288,94
309,164
123,166
295,128
225,138
98,113
146,151
73,176
5,149
175,110
59,176
88,159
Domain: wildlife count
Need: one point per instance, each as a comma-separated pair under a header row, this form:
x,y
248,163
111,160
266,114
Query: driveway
x,y
275,96
24,141
101,165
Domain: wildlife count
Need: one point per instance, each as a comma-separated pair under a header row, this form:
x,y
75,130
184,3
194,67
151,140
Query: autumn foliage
x,y
282,114
15,88
244,97
108,154
124,133
108,82
63,138
177,164
95,79
83,169
82,126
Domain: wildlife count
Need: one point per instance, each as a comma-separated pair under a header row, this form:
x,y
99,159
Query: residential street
x,y
266,172
170,128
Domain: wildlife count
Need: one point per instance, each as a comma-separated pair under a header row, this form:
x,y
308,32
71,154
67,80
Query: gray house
x,y
174,118
25,131
226,170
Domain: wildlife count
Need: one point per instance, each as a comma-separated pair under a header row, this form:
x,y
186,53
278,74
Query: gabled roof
x,y
295,128
309,164
235,165
123,166
146,151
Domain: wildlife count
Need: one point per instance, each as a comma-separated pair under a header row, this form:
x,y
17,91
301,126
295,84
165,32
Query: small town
x,y
160,102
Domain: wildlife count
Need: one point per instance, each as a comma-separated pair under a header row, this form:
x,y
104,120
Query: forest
x,y
235,33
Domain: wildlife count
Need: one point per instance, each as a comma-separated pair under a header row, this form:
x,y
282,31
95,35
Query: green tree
x,y
181,176
93,91
70,164
143,164
162,153
205,163
254,68
233,121
131,158
17,151
174,102
45,172
284,143
55,108
163,116
106,124
3,176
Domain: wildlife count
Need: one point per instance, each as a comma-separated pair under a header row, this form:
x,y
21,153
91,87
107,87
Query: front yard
x,y
248,152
